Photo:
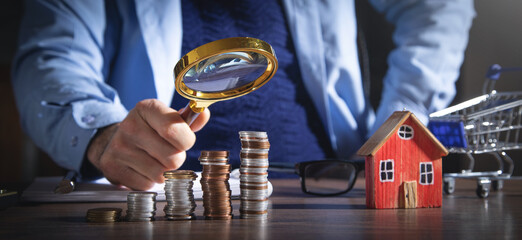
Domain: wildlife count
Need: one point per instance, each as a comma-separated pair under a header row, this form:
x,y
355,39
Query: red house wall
x,y
407,156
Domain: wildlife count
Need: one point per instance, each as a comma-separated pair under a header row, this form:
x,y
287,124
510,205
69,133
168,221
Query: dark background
x,y
494,38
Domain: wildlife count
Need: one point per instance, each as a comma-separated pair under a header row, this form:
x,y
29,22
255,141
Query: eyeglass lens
x,y
328,177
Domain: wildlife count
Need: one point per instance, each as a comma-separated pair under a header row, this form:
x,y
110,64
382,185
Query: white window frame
x,y
404,132
386,171
426,173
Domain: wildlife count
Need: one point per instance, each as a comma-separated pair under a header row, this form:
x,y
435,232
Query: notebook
x,y
42,190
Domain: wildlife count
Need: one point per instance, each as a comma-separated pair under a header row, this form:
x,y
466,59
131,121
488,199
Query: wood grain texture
x,y
407,156
408,195
389,127
292,215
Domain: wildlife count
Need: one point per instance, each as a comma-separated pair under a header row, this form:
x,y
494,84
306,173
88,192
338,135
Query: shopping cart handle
x,y
495,70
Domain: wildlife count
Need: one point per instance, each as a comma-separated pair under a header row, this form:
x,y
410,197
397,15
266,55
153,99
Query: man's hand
x,y
152,139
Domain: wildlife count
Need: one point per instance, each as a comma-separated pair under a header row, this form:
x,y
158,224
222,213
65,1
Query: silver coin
x,y
178,213
253,178
146,219
255,150
173,199
254,160
179,208
143,194
141,208
245,192
177,200
256,134
252,183
252,197
179,205
254,216
179,180
169,184
253,170
248,139
253,205
216,163
212,159
253,193
248,185
181,217
179,192
141,204
263,163
256,170
133,216
180,199
132,199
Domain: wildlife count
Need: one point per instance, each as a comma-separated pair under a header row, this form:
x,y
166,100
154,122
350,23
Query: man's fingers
x,y
201,120
167,123
152,139
155,146
118,173
136,181
145,165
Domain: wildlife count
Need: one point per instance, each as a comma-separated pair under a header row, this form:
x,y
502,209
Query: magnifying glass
x,y
222,70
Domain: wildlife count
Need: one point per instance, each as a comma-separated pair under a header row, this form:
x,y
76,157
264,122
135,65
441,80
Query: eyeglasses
x,y
324,177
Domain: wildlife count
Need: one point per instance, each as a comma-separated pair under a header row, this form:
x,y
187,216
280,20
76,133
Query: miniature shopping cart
x,y
488,124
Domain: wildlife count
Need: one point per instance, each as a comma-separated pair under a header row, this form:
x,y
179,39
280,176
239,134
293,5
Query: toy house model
x,y
403,164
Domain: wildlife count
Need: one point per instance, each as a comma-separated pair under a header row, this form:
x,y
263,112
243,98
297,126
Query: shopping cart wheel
x,y
449,185
497,185
483,187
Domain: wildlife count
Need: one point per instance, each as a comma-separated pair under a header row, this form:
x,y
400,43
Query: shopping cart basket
x,y
488,124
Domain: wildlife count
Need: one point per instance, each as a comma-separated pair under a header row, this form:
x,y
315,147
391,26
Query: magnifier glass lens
x,y
225,71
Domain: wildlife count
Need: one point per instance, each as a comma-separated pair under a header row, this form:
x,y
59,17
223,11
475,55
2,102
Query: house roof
x,y
389,127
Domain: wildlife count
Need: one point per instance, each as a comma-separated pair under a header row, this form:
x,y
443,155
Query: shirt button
x,y
74,141
89,119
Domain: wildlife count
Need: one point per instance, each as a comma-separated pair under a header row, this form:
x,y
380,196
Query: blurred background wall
x,y
20,160
496,37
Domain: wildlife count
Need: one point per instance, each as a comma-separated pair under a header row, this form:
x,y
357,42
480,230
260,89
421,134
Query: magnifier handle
x,y
189,115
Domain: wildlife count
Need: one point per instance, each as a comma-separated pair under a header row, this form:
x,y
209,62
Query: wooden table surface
x,y
292,215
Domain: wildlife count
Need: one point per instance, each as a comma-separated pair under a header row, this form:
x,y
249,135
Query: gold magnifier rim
x,y
236,44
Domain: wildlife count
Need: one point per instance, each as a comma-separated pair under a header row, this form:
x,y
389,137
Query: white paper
x,y
42,190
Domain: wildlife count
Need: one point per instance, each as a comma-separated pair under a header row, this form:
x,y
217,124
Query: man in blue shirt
x,y
93,79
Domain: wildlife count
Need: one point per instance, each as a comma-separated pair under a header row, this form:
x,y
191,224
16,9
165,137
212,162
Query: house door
x,y
408,198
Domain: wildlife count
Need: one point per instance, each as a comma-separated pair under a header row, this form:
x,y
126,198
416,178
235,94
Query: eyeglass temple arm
x,y
284,167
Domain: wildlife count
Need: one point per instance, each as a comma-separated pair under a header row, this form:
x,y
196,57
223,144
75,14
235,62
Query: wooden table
x,y
292,215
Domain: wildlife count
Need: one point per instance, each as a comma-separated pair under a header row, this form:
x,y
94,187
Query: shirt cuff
x,y
78,130
93,114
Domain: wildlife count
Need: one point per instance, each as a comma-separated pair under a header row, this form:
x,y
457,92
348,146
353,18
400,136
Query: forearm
x,y
58,82
431,37
99,143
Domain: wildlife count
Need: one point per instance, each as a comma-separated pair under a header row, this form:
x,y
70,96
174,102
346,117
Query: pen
x,y
67,184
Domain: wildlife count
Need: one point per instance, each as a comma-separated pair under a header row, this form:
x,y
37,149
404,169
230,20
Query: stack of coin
x,y
253,175
179,195
214,183
141,206
103,215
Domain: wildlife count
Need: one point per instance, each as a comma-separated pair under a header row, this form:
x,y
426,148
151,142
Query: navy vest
x,y
282,107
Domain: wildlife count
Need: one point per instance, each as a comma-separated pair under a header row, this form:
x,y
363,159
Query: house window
x,y
426,173
405,132
386,170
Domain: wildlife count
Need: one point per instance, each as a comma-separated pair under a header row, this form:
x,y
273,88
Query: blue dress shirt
x,y
72,75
